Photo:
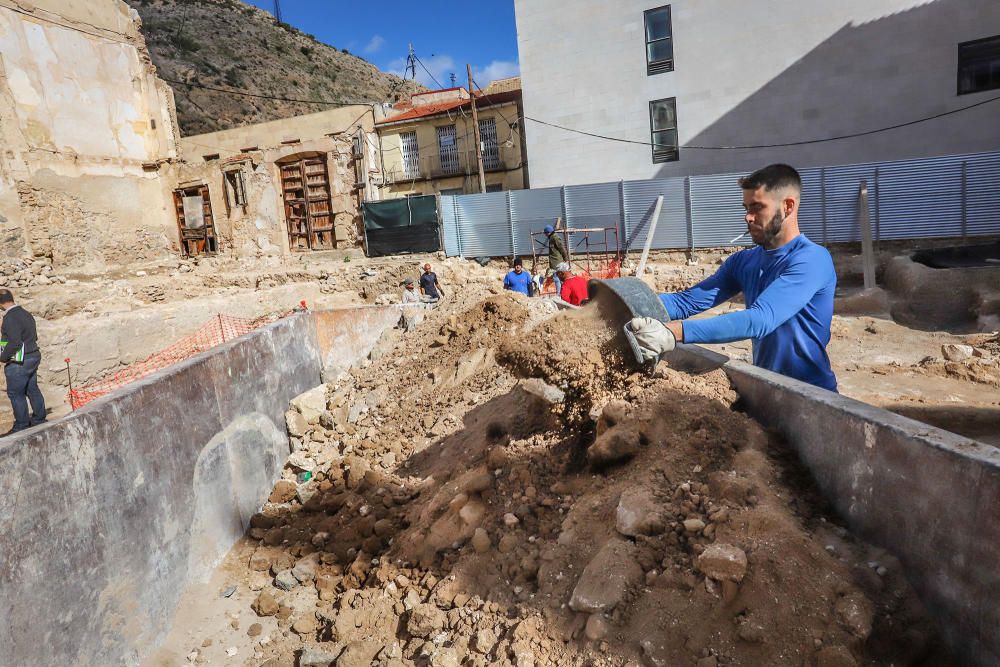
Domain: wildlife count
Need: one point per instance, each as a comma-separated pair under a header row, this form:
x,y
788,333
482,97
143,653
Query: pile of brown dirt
x,y
594,516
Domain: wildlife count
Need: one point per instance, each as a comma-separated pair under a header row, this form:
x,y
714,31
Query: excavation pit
x,y
450,516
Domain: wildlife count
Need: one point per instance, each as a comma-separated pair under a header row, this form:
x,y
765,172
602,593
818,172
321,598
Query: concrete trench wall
x,y
929,496
109,513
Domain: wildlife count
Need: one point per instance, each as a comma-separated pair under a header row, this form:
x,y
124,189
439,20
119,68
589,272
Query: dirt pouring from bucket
x,y
499,486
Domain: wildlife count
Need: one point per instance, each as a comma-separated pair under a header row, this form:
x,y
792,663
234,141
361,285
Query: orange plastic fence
x,y
218,330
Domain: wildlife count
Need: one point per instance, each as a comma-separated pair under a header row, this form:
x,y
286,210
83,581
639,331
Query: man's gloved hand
x,y
653,337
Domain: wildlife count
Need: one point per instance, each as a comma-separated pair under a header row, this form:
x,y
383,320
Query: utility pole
x,y
411,65
475,129
277,10
452,75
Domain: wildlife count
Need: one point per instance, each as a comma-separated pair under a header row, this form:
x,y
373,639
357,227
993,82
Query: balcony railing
x,y
452,163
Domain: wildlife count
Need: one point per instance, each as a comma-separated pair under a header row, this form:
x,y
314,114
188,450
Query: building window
x,y
663,129
236,189
448,150
496,187
979,65
659,41
411,156
488,137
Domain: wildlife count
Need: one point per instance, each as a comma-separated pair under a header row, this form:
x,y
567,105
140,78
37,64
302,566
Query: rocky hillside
x,y
232,45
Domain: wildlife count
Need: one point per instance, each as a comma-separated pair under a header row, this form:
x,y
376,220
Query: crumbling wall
x,y
85,126
260,228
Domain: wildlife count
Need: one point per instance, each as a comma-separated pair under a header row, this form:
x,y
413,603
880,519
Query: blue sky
x,y
445,35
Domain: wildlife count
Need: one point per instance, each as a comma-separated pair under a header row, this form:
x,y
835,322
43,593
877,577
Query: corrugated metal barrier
x,y
947,196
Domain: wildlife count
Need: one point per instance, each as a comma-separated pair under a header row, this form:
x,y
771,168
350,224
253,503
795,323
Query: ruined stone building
x,y
87,128
281,186
94,174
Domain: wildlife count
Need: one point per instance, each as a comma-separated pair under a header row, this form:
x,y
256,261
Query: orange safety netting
x,y
218,330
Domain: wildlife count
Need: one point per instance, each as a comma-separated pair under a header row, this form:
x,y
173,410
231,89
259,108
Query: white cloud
x,y
442,66
498,69
375,44
438,67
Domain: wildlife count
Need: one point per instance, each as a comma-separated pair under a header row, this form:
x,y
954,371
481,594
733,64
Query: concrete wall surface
x,y
348,334
108,513
794,71
927,495
84,122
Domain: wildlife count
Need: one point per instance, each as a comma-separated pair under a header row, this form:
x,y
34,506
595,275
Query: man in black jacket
x,y
21,356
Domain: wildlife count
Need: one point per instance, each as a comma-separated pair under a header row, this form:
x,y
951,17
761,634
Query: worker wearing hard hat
x,y
557,254
787,281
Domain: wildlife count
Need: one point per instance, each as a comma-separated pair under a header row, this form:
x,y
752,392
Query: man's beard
x,y
772,229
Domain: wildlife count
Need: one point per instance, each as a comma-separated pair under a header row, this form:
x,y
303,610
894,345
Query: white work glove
x,y
653,337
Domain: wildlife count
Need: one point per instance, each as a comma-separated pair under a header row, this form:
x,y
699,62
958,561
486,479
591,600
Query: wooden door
x,y
305,187
196,240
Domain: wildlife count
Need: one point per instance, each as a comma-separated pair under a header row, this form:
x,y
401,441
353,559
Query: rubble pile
x,y
498,487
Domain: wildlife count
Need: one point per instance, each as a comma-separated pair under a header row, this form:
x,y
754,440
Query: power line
x,y
433,78
777,145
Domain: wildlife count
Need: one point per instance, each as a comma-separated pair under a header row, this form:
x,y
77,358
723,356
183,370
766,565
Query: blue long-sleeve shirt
x,y
789,305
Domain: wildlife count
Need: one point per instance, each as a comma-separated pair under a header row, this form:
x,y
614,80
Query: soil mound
x,y
454,516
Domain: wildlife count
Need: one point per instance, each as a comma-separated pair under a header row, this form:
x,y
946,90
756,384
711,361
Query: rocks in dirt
x,y
301,461
359,654
596,628
835,656
723,562
612,414
953,352
305,626
265,604
614,446
426,620
481,541
311,404
285,580
283,492
693,526
312,656
655,653
607,577
543,390
305,568
856,614
295,423
639,514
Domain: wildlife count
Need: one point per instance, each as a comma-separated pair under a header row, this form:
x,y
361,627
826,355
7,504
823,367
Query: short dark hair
x,y
6,296
773,177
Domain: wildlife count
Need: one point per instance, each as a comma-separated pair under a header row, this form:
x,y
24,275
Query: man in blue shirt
x,y
787,281
518,279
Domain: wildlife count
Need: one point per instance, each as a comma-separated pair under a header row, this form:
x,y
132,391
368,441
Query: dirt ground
x,y
498,486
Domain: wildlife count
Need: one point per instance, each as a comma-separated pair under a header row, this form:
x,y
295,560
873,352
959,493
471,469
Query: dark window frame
x,y
664,155
658,66
972,44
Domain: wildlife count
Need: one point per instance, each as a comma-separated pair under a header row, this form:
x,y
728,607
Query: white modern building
x,y
699,77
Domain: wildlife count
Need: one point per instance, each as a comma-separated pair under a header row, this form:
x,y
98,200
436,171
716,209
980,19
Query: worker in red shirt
x,y
574,288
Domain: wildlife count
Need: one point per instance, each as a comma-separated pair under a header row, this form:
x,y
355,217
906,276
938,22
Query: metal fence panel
x,y
449,226
942,196
920,198
811,204
717,216
982,194
531,210
640,200
483,226
840,189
